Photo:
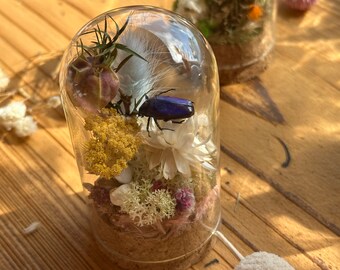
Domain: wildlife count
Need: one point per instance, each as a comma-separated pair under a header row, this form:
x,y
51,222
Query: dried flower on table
x,y
32,227
13,117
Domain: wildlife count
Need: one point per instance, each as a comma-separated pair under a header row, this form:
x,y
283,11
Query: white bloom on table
x,y
11,113
178,149
4,80
54,102
25,126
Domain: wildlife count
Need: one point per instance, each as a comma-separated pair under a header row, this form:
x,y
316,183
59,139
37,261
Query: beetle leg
x,y
148,126
157,124
178,122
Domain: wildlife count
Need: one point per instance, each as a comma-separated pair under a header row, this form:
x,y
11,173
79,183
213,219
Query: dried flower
x,y
158,184
114,143
89,89
32,227
300,4
11,113
255,13
185,199
177,149
25,126
4,80
13,116
100,195
92,80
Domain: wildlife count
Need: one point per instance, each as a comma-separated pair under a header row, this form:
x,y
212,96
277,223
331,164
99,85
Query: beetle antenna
x,y
166,91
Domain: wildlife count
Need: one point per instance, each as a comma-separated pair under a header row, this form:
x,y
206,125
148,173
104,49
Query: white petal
x,y
125,177
169,169
118,195
182,164
186,141
155,159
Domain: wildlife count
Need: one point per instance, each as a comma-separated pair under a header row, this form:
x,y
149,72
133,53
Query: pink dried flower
x,y
185,199
300,4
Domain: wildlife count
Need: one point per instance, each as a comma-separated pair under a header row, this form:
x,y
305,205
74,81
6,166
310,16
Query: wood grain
x,y
291,211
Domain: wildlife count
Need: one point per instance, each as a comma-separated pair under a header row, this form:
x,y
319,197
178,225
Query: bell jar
x,y
140,92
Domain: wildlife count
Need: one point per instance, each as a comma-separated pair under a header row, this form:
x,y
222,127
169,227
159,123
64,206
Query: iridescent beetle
x,y
166,108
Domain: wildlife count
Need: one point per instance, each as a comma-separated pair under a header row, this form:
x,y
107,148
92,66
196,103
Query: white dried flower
x,y
4,80
25,126
54,102
178,148
11,113
263,261
32,227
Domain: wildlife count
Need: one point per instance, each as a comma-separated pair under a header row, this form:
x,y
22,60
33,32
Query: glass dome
x,y
140,92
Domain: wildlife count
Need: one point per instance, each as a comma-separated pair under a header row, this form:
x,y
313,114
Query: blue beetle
x,y
166,108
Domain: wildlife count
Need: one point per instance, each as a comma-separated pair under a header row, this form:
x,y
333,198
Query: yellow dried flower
x,y
115,142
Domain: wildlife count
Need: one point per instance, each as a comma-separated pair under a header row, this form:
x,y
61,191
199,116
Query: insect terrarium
x,y
240,32
140,92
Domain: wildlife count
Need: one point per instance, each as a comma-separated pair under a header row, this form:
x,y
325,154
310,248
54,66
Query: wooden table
x,y
287,208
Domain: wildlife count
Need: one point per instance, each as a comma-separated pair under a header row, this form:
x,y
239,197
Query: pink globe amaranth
x,y
90,87
300,4
185,199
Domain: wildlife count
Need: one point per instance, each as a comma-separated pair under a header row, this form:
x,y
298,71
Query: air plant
x,y
92,80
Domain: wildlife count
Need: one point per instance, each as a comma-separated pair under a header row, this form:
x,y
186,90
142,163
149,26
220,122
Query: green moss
x,y
115,142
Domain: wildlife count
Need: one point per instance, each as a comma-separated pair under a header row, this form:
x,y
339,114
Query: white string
x,y
228,244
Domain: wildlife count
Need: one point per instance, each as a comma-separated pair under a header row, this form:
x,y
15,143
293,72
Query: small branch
x,y
285,164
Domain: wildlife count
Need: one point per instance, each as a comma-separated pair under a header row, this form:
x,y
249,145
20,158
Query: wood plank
x,y
311,138
34,195
293,224
92,11
260,235
41,31
58,13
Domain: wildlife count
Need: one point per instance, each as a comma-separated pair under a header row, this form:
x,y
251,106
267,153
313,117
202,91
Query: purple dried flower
x,y
100,195
185,199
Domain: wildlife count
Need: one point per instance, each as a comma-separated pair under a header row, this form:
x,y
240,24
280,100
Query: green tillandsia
x,y
92,76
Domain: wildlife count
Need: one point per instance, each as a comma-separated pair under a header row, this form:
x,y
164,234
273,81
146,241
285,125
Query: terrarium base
x,y
178,251
239,62
182,263
243,73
